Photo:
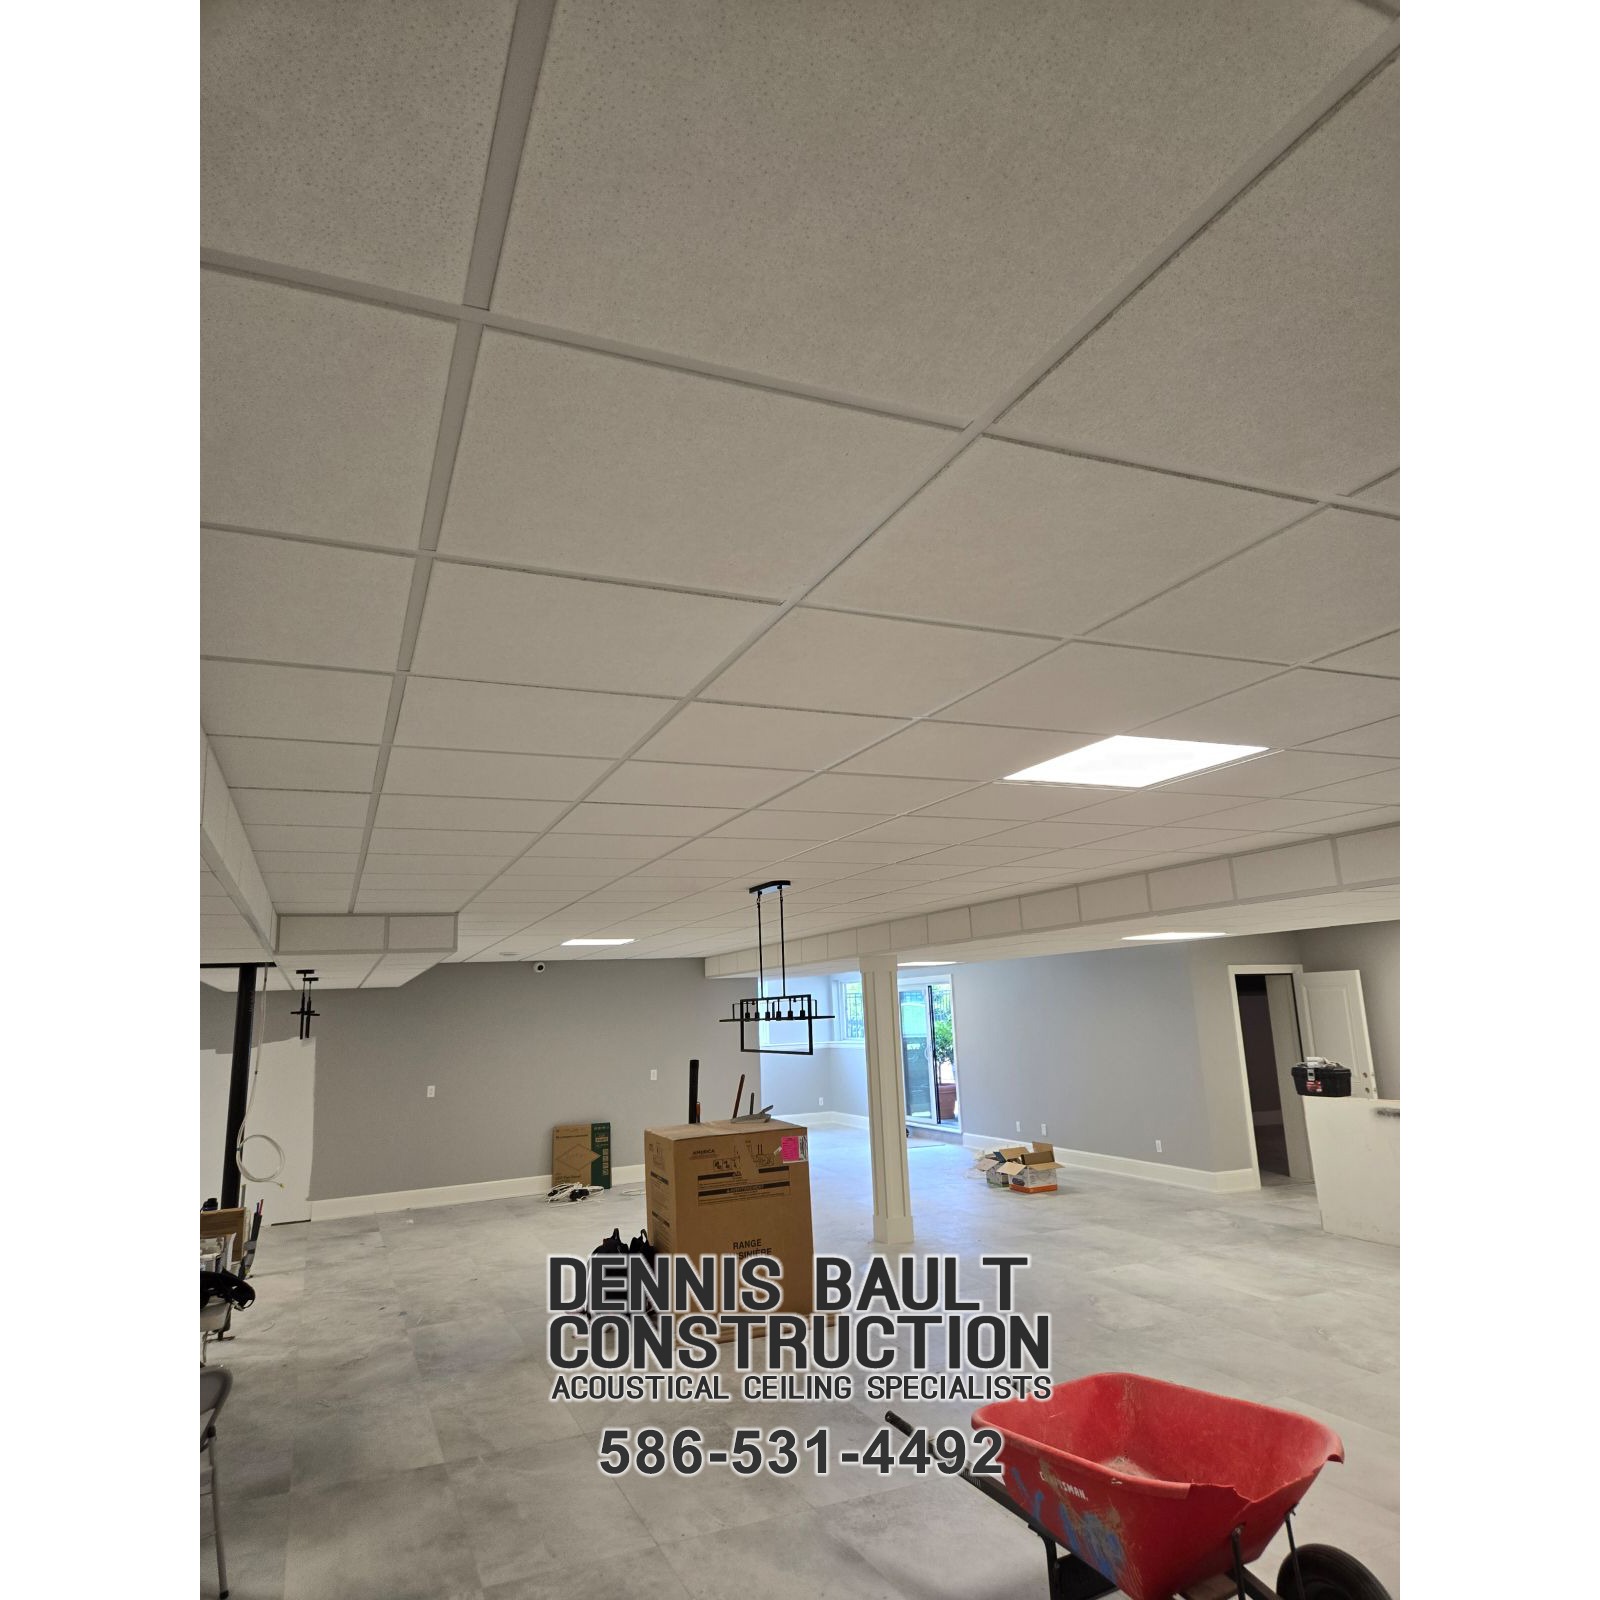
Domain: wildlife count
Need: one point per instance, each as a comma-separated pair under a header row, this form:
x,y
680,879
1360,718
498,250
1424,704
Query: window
x,y
850,1019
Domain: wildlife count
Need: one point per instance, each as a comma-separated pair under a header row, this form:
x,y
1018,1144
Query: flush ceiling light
x,y
597,941
925,963
1163,938
1126,762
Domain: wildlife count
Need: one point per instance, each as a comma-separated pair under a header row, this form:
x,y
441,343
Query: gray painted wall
x,y
1111,1050
1100,1047
1373,950
511,1053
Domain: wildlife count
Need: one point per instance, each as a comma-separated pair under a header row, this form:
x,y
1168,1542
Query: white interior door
x,y
1333,1024
284,1094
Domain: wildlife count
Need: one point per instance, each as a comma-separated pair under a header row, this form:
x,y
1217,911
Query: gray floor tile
x,y
384,1346
399,1537
534,1511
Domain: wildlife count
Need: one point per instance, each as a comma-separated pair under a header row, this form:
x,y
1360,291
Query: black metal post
x,y
244,1019
694,1090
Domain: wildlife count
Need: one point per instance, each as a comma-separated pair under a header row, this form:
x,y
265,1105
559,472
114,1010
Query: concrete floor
x,y
390,1433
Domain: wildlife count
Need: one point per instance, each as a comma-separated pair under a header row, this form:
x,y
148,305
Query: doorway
x,y
928,1052
1269,1043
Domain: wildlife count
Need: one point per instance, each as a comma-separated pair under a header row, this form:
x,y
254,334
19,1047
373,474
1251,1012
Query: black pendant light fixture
x,y
780,1007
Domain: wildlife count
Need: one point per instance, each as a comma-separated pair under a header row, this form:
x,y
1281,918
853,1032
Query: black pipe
x,y
244,1017
694,1091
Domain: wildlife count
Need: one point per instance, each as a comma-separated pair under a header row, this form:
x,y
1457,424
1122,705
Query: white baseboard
x,y
455,1194
822,1119
1230,1182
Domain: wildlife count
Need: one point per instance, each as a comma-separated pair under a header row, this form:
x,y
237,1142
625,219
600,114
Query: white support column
x,y
886,1101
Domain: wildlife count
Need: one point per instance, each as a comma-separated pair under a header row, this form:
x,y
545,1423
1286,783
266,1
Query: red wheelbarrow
x,y
1157,1490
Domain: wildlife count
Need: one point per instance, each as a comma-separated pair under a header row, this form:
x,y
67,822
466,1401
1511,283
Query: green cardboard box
x,y
581,1153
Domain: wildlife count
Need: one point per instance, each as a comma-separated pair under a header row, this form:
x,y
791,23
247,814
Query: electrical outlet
x,y
1019,1127
430,1091
1158,1147
820,1100
1044,1132
652,1074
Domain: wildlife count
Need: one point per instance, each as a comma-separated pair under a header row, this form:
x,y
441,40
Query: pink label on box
x,y
792,1147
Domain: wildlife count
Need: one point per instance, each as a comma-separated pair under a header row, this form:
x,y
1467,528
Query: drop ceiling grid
x,y
454,405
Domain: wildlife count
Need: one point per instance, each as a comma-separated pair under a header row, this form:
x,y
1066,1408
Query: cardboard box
x,y
1035,1177
581,1153
1034,1165
231,1225
733,1188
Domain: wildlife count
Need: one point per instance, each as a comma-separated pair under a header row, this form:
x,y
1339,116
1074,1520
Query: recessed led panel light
x,y
597,941
1127,762
1167,938
925,963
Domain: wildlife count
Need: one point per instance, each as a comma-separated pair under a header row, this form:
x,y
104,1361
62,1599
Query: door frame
x,y
926,980
1267,969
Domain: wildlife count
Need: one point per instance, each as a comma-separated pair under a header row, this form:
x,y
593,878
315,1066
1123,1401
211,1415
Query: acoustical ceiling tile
x,y
977,855
516,627
1351,822
590,463
454,714
461,811
834,791
1103,688
318,415
963,750
737,854
430,885
1263,815
925,828
911,212
1012,537
279,861
764,736
494,846
294,764
1058,835
1381,656
680,820
300,808
621,847
1014,802
831,661
1267,351
1385,492
1144,808
1380,738
350,139
279,600
271,836
463,865
1286,710
813,825
1329,580
1282,772
490,774
872,852
244,697
1375,789
680,783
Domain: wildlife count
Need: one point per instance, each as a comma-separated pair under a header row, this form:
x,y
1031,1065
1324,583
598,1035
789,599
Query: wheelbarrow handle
x,y
984,1485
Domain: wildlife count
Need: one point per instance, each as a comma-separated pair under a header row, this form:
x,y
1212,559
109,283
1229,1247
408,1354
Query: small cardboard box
x,y
733,1188
581,1153
1010,1162
1035,1177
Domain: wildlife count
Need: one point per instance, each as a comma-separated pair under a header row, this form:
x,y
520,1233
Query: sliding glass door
x,y
916,1052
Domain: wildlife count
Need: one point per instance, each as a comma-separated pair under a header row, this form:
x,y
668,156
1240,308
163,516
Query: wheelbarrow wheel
x,y
1328,1574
